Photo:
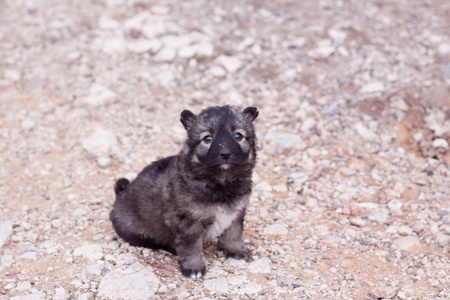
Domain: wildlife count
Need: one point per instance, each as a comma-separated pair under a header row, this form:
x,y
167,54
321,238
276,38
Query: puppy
x,y
178,202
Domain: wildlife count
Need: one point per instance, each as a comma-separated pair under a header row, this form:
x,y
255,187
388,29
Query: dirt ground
x,y
351,195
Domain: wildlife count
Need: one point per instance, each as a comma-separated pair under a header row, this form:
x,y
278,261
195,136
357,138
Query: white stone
x,y
29,255
187,51
321,52
230,63
144,45
236,262
166,55
165,78
7,260
86,296
93,270
92,252
285,140
347,171
217,71
160,9
104,162
357,222
373,87
408,244
108,23
6,231
23,286
218,285
252,288
60,294
27,124
262,265
205,50
276,229
337,35
440,143
395,207
113,45
237,280
34,296
298,177
400,104
444,49
99,95
405,230
100,142
136,282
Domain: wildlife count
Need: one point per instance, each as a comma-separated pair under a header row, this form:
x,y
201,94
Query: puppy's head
x,y
221,139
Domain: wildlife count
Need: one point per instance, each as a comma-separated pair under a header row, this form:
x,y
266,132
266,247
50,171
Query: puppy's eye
x,y
238,137
207,139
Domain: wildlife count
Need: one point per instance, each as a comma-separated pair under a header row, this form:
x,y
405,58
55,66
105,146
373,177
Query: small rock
x,y
252,288
230,63
262,265
34,296
237,280
444,49
218,285
285,140
380,217
27,124
384,292
104,162
347,171
205,50
276,229
114,45
99,95
6,231
166,55
408,244
297,177
7,260
399,103
144,45
405,230
236,262
357,222
332,241
217,71
337,35
321,52
92,252
100,142
395,207
29,255
60,294
440,143
187,51
136,282
108,23
373,87
23,286
86,296
93,270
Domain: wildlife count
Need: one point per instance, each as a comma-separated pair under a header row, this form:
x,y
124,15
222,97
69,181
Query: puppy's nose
x,y
225,154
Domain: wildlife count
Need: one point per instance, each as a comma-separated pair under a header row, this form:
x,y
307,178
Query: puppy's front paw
x,y
193,272
243,253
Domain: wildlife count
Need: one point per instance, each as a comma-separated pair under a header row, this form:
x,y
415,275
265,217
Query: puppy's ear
x,y
251,113
187,119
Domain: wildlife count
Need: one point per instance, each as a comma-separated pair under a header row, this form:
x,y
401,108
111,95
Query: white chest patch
x,y
223,220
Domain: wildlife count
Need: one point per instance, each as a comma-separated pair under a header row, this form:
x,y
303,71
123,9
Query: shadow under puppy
x,y
180,201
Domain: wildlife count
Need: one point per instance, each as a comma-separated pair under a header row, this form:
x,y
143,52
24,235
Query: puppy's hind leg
x,y
136,239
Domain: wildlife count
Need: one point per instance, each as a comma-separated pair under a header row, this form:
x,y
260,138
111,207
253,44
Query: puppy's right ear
x,y
187,119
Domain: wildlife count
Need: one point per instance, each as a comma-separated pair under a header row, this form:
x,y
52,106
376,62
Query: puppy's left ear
x,y
187,119
251,113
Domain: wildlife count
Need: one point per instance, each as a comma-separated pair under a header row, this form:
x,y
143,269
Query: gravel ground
x,y
351,192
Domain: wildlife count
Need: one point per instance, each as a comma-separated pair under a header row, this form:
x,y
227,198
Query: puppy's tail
x,y
121,185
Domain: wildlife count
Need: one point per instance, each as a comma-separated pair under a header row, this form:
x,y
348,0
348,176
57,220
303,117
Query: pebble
x,y
347,171
444,49
262,265
166,55
276,229
357,222
285,140
230,63
321,52
373,87
34,296
6,231
7,260
135,282
104,162
187,51
60,294
408,244
28,124
218,285
395,207
23,286
100,142
99,95
114,45
86,296
29,255
297,177
92,252
440,143
144,45
217,71
205,50
252,288
93,270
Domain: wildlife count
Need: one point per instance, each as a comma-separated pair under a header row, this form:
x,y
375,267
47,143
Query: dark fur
x,y
176,203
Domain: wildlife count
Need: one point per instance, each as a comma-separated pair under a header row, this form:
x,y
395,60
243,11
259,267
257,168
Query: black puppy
x,y
179,202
